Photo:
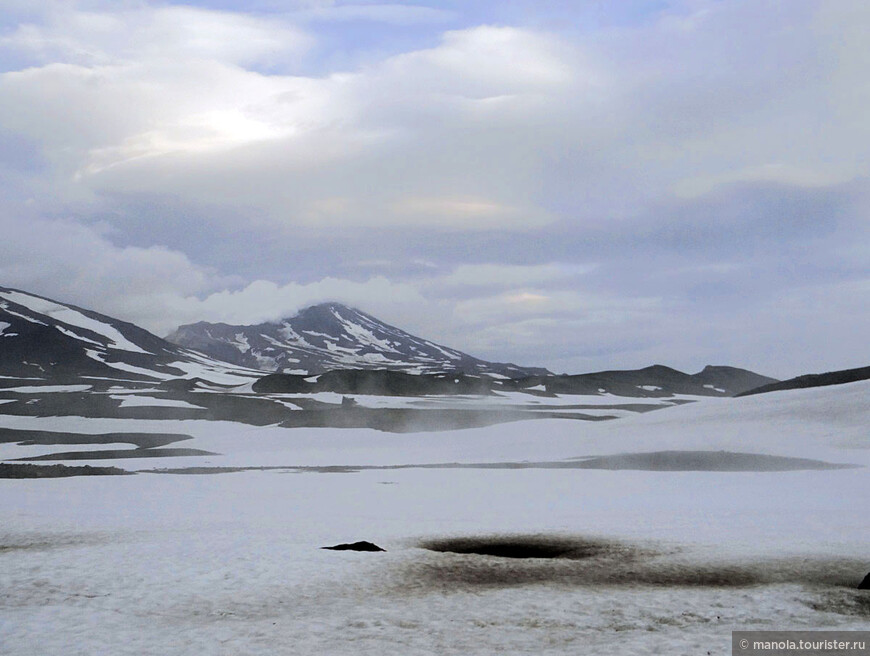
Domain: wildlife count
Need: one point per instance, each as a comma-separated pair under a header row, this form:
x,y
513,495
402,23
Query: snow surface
x,y
230,563
6,308
136,400
213,371
36,389
129,368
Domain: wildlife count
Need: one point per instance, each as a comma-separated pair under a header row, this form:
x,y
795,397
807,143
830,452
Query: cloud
x,y
709,158
467,277
151,101
262,300
392,13
138,32
494,128
79,264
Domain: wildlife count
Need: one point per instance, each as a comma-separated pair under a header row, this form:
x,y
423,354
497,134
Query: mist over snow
x,y
578,186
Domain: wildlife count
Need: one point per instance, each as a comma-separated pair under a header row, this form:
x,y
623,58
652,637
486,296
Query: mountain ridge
x,y
838,377
659,380
41,337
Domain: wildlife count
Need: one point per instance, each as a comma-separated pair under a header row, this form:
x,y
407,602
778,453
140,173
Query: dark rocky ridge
x,y
655,382
814,380
711,381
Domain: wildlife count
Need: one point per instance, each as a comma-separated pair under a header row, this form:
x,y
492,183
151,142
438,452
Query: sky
x,y
579,185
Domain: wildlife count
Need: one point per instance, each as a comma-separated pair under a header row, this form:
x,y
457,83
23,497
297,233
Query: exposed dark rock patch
x,y
141,440
355,546
181,384
120,454
10,470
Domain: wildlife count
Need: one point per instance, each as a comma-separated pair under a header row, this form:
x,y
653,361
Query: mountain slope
x,y
813,380
333,336
42,338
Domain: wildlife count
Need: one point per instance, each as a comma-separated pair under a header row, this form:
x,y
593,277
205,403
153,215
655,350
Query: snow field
x,y
163,564
230,563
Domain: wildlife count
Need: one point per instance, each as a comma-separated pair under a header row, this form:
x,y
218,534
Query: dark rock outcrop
x,y
355,546
381,382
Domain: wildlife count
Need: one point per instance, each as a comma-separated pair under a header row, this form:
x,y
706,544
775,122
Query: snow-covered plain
x,y
229,563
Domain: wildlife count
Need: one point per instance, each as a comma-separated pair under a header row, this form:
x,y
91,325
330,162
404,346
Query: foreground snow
x,y
229,563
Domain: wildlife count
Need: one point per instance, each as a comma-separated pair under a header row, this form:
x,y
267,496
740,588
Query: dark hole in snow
x,y
521,547
512,560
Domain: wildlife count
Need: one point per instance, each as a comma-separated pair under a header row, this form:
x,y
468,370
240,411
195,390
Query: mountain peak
x,y
332,335
325,309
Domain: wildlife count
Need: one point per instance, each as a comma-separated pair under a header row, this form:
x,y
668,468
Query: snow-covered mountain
x,y
333,336
41,338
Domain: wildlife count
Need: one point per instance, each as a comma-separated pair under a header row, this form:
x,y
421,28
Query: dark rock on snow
x,y
355,546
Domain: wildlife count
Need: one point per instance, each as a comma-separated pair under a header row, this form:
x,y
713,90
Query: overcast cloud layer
x,y
575,185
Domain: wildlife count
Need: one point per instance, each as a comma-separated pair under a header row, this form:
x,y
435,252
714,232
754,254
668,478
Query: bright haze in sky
x,y
577,185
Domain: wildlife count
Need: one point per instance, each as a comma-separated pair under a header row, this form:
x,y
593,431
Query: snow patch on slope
x,y
137,400
73,318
